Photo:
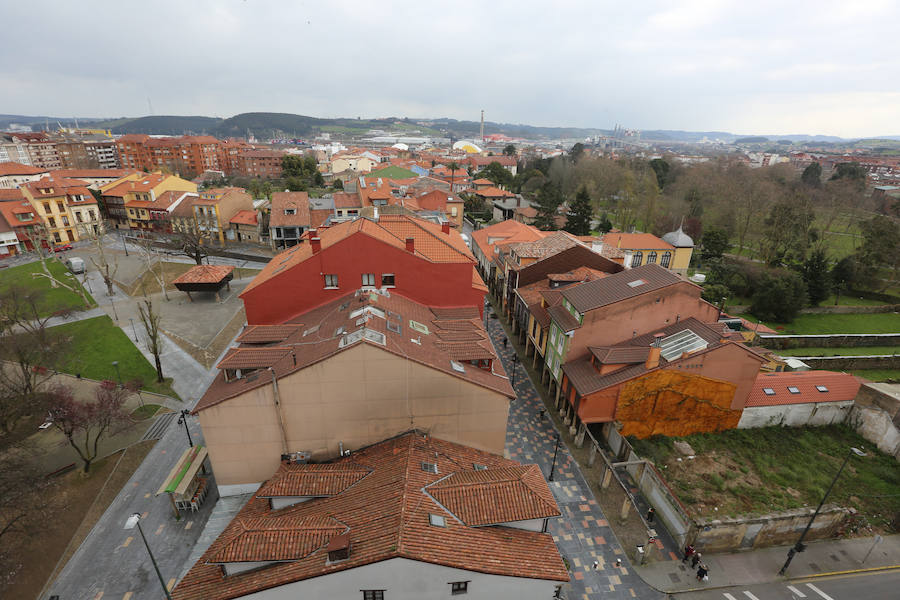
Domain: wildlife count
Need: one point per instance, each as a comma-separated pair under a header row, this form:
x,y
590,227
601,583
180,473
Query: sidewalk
x,y
761,566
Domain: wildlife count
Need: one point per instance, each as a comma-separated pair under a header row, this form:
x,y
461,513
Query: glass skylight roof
x,y
677,344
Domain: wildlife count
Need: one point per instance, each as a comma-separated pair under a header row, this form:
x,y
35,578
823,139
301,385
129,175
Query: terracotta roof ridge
x,y
401,525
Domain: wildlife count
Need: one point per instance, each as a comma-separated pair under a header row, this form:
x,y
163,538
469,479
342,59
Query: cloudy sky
x,y
746,67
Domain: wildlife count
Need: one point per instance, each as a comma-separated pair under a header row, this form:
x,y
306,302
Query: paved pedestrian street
x,y
582,533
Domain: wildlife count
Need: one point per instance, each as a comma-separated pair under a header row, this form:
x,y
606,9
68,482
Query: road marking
x,y
819,592
127,541
127,595
729,596
171,584
160,528
98,596
751,596
145,515
189,524
147,495
796,591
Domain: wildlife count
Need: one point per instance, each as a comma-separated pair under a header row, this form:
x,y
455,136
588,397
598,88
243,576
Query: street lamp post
x,y
555,452
124,245
182,419
133,520
115,363
133,330
515,363
799,546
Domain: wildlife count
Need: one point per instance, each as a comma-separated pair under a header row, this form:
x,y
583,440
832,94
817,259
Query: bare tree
x,y
85,423
150,318
42,245
191,241
29,351
154,264
107,269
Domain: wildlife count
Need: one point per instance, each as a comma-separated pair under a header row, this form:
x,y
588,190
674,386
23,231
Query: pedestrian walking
x,y
703,573
596,565
618,563
695,560
650,514
688,552
504,342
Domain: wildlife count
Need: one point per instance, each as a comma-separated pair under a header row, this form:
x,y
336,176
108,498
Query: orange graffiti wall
x,y
675,403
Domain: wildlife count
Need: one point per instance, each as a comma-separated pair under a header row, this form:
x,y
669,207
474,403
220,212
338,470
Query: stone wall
x,y
876,416
841,340
851,310
727,535
796,415
848,363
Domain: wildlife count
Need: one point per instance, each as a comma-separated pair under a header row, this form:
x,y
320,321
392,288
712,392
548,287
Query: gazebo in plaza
x,y
205,278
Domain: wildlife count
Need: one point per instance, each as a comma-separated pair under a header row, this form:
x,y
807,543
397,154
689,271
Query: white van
x,y
75,264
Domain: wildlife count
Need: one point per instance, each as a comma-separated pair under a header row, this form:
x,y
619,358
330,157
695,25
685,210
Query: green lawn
x,y
892,375
392,172
828,323
96,343
145,412
55,299
857,351
755,471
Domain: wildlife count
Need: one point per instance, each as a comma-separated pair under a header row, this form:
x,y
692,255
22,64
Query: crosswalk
x,y
794,592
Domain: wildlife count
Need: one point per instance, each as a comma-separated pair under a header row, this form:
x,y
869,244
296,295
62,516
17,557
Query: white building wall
x,y
795,415
404,579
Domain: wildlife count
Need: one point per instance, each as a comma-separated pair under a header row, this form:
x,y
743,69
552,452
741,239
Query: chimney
x,y
653,357
410,244
445,227
518,201
316,244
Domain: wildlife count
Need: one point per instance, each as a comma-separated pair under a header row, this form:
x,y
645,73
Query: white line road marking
x,y
819,592
751,596
796,591
729,596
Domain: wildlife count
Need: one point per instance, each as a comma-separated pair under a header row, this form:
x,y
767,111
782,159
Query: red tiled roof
x,y
162,202
636,241
7,194
245,217
266,334
253,358
14,168
385,515
205,274
504,232
295,479
11,209
493,192
93,173
346,200
296,201
839,387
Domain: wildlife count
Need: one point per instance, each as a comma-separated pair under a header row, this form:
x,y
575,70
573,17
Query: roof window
x,y
429,467
478,467
793,389
636,283
457,367
436,520
418,327
768,391
312,329
395,327
339,331
395,316
822,388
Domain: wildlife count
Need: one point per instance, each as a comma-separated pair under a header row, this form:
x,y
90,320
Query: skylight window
x,y
768,391
636,283
821,388
395,327
675,345
418,327
374,336
312,329
793,390
478,467
457,367
392,315
339,331
436,520
429,467
367,310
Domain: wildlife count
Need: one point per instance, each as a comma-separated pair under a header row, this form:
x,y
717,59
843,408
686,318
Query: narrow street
x,y
582,533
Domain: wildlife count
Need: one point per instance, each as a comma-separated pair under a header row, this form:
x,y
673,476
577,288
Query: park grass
x,y
854,351
756,471
145,411
55,298
877,375
820,324
96,343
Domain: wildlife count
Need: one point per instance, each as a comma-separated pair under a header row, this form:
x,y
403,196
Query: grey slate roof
x,y
679,239
615,287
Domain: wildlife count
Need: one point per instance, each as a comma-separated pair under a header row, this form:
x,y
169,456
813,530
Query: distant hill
x,y
164,125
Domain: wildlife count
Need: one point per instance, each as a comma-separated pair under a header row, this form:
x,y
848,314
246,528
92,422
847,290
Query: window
x,y
290,211
459,587
479,467
51,221
453,210
768,391
794,390
65,221
331,281
822,388
666,259
429,467
47,207
387,280
636,259
60,206
651,258
373,594
91,215
368,279
437,520
79,217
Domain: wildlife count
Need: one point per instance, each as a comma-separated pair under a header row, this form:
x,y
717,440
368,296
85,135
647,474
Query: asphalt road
x,y
876,585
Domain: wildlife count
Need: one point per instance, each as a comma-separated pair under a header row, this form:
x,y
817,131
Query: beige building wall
x,y
360,396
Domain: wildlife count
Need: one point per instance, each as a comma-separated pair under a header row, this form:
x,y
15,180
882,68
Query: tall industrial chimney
x,y
482,126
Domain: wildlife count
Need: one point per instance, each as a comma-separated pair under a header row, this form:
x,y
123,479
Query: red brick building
x,y
420,260
262,163
187,153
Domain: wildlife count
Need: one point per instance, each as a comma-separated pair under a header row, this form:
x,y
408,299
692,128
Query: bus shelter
x,y
188,483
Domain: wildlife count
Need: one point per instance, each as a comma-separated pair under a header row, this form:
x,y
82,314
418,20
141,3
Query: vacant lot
x,y
821,324
96,343
756,471
55,298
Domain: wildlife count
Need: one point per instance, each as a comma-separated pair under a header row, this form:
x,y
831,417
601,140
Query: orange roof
x,y
504,232
7,194
436,200
245,217
493,192
93,173
386,515
298,202
205,274
636,241
802,387
142,185
162,202
431,243
11,209
14,168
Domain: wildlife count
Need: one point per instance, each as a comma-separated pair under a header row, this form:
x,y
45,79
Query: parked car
x,y
75,264
62,247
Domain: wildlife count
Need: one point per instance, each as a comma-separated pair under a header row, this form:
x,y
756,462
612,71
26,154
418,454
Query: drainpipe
x,y
284,447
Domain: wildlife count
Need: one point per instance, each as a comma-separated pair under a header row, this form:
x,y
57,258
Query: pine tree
x,y
817,277
548,201
580,214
